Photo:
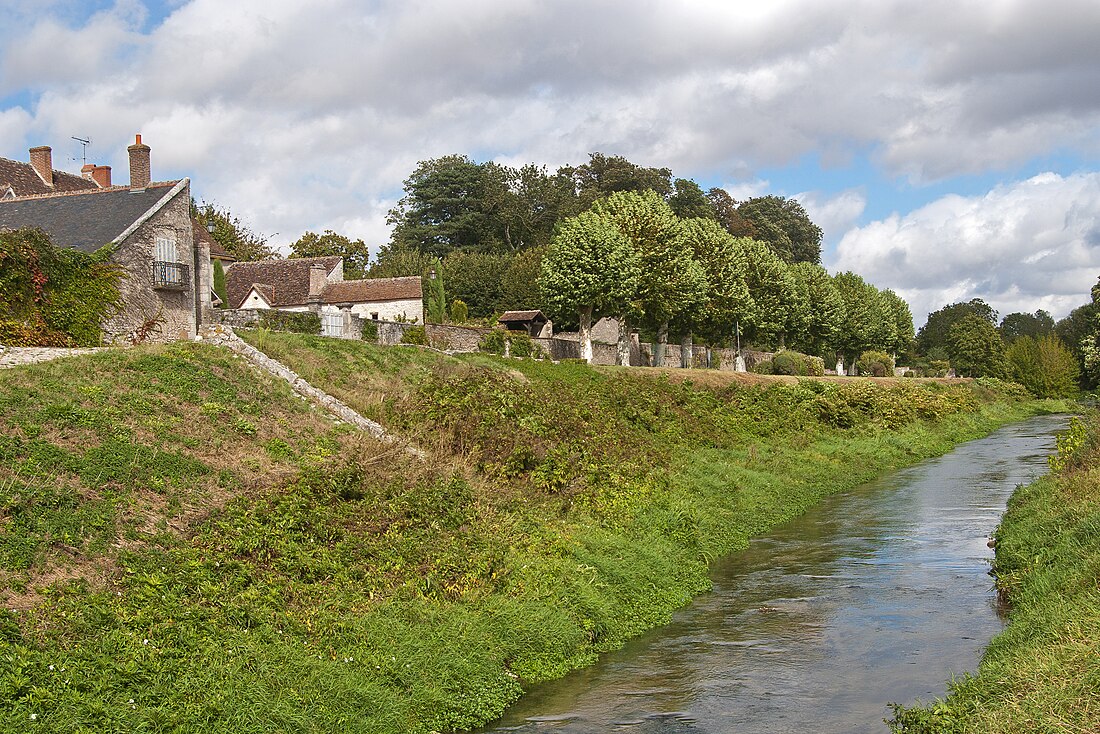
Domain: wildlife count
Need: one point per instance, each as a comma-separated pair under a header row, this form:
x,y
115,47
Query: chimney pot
x,y
139,164
42,162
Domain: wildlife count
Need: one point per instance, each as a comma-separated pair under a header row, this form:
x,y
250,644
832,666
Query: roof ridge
x,y
85,192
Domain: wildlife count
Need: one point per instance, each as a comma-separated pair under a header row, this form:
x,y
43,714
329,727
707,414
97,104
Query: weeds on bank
x,y
324,582
1042,672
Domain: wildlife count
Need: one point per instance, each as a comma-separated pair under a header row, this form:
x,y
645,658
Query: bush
x,y
493,342
459,311
875,364
764,367
370,331
521,345
299,322
797,364
415,335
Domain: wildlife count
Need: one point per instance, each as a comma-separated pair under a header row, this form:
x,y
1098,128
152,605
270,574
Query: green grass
x,y
187,547
1042,674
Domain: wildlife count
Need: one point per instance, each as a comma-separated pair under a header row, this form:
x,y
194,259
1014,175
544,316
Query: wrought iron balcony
x,y
170,275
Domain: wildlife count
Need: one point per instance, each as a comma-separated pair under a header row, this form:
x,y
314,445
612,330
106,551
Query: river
x,y
876,595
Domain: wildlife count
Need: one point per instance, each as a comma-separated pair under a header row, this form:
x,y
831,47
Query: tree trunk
x,y
660,346
782,340
685,350
586,334
623,356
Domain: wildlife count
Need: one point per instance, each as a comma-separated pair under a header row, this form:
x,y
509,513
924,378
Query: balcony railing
x,y
170,275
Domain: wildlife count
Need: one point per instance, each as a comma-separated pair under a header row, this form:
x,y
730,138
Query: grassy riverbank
x,y
186,547
1042,674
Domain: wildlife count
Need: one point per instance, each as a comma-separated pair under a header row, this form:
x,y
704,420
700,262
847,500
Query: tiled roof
x,y
25,180
290,279
373,289
509,316
83,220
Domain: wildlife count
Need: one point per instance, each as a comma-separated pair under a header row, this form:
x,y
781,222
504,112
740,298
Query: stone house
x,y
317,284
167,277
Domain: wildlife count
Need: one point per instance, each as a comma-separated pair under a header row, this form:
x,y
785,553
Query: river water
x,y
876,595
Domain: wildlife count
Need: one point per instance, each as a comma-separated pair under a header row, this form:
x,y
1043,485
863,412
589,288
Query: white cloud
x,y
1023,246
835,214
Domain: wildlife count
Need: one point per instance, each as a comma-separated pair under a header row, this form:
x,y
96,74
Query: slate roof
x,y
288,278
373,290
84,220
24,180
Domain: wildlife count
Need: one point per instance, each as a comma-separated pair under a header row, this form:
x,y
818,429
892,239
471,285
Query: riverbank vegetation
x,y
1042,674
186,546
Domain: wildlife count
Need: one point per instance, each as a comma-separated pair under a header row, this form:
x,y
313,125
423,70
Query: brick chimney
x,y
139,164
42,161
102,176
318,279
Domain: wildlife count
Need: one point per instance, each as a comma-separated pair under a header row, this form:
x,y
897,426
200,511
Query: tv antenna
x,y
83,149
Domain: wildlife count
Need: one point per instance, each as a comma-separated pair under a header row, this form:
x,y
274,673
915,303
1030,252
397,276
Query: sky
x,y
949,149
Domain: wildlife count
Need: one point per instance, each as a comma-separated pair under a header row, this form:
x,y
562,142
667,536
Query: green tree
x,y
900,337
826,309
727,301
435,299
688,200
232,234
1036,325
605,175
355,252
476,278
396,262
1044,366
219,283
785,227
1074,331
590,269
778,308
725,211
671,282
519,285
976,348
932,339
865,321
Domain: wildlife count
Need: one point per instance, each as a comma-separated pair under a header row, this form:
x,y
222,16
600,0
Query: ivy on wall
x,y
51,296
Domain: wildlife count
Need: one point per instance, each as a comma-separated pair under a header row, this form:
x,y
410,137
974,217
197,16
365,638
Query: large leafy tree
x,y
671,282
976,348
1044,366
826,309
865,323
932,339
475,279
785,226
727,302
899,338
232,234
356,254
604,175
1075,331
445,207
778,309
591,270
1036,325
725,211
396,262
519,285
688,200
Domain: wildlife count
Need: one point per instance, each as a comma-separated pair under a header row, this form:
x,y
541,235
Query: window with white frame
x,y
165,250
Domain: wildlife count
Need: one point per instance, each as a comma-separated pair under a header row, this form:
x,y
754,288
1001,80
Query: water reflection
x,y
878,595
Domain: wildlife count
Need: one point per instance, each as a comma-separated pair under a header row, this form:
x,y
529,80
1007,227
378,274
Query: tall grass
x,y
237,563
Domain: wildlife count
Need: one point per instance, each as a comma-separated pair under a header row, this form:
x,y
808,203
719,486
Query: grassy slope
x,y
186,547
1043,673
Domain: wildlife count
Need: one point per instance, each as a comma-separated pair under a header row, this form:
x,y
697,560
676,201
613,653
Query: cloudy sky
x,y
950,149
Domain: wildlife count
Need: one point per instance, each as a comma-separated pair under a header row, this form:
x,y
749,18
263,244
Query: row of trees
x,y
630,256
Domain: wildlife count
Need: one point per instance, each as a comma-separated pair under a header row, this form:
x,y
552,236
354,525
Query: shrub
x,y
521,344
370,331
764,367
875,364
415,335
787,362
493,342
459,311
299,322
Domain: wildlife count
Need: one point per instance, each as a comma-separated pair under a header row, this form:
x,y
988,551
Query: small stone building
x,y
534,323
167,276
